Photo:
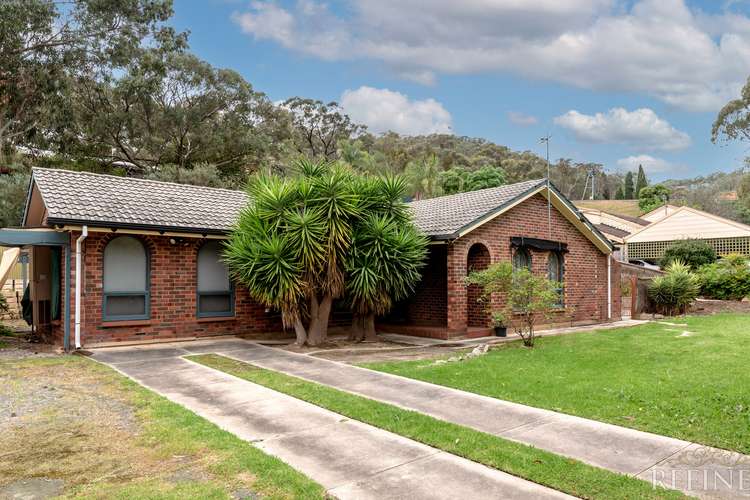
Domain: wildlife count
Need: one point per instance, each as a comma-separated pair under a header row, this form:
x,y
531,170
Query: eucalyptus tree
x,y
45,43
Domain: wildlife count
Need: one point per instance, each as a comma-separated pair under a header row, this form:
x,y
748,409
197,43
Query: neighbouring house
x,y
613,226
659,213
116,259
682,223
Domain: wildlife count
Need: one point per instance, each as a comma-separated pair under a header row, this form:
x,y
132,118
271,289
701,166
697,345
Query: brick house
x,y
150,266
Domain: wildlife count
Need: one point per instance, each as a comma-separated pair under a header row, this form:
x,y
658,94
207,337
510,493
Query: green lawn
x,y
649,377
105,436
564,474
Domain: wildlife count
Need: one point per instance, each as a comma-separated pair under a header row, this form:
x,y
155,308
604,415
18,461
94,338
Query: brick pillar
x,y
456,290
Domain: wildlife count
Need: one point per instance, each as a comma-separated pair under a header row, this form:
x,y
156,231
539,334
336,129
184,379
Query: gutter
x,y
79,275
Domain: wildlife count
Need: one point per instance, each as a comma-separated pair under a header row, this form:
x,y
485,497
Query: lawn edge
x,y
641,486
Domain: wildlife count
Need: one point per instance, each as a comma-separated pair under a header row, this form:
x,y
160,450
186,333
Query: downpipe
x,y
609,286
79,274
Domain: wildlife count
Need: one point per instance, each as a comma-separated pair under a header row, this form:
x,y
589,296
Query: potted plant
x,y
500,321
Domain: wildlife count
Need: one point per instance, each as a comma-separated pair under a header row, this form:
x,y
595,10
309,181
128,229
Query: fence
x,y
16,273
654,250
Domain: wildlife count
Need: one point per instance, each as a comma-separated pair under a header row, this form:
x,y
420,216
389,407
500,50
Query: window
x,y
215,292
126,287
556,273
521,259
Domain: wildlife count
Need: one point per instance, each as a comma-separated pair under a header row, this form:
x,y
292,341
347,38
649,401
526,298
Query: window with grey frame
x,y
556,273
126,280
215,291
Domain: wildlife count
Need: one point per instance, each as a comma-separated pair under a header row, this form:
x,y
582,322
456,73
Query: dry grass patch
x,y
70,419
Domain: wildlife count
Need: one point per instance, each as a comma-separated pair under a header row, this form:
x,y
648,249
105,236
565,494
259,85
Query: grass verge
x,y
549,469
681,377
105,436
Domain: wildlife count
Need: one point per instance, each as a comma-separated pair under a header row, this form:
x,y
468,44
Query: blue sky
x,y
613,81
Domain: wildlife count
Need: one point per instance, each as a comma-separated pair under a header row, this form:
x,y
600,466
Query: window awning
x,y
40,237
538,244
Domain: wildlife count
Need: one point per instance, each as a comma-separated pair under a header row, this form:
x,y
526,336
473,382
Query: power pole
x,y
545,140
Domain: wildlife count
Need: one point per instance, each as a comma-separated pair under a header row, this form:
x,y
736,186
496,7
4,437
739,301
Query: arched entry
x,y
478,259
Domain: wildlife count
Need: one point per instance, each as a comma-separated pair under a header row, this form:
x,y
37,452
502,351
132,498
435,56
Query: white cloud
x,y
641,128
384,110
650,164
522,119
662,48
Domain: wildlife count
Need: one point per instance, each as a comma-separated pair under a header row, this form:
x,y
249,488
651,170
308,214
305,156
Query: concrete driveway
x,y
382,463
349,458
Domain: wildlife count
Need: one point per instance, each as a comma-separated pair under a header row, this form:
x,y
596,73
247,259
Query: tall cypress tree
x,y
628,190
641,182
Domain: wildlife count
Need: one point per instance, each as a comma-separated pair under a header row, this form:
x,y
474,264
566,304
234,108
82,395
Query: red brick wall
x,y
585,265
173,277
428,305
478,259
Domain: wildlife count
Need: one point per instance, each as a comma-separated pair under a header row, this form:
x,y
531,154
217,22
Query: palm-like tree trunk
x,y
319,314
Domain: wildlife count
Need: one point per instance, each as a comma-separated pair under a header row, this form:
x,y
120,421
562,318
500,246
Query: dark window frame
x,y
560,272
145,294
522,251
212,293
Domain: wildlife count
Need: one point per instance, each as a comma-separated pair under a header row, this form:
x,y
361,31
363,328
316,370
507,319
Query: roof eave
x,y
62,221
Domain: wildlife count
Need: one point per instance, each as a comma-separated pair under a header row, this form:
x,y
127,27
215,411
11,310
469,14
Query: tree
x,y
459,180
44,43
640,182
320,127
172,110
386,256
423,176
743,191
292,246
203,174
486,177
516,293
13,192
652,197
629,189
733,120
694,253
620,193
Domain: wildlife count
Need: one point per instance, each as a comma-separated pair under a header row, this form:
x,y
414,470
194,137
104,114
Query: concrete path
x,y
696,469
350,459
549,332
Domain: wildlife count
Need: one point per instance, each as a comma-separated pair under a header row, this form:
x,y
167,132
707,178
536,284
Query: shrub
x,y
526,297
694,253
3,304
676,290
727,279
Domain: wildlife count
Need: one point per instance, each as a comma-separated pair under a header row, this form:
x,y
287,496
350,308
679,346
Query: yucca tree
x,y
290,244
387,254
307,240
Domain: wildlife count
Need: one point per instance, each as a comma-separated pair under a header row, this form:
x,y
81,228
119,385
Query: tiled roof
x,y
614,231
105,200
447,215
634,220
83,197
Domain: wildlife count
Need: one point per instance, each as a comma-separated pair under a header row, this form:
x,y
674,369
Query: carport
x,y
44,247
